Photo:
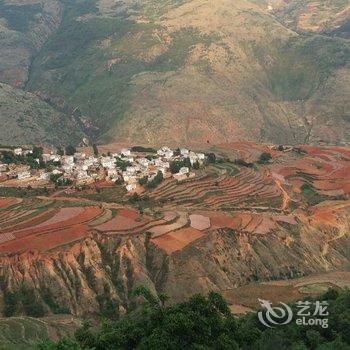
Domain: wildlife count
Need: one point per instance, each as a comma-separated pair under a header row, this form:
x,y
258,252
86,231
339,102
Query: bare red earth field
x,y
177,240
6,202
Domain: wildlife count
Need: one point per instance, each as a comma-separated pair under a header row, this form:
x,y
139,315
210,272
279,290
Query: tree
x,y
211,157
175,167
134,198
37,152
70,150
54,177
143,180
95,149
203,323
196,165
264,158
156,180
60,151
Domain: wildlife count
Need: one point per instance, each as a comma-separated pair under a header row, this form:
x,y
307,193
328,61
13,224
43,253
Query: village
x,y
132,167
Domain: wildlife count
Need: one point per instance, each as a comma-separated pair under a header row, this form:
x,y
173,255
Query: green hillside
x,y
23,333
182,71
29,120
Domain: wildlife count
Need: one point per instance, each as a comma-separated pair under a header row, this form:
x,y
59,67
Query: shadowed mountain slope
x,y
183,71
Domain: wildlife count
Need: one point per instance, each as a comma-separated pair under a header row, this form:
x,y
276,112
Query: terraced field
x,y
248,188
253,200
321,171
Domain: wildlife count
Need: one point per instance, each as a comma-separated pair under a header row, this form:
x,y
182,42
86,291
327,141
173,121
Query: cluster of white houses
x,y
125,166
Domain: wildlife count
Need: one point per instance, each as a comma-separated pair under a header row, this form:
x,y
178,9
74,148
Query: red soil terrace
x,y
254,201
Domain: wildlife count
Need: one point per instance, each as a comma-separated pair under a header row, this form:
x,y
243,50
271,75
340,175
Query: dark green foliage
x,y
70,150
143,149
52,303
176,165
311,195
242,162
134,198
23,192
143,180
264,158
211,157
196,165
10,302
9,157
108,307
61,182
155,181
60,151
25,300
19,17
54,177
37,152
122,164
206,323
302,64
95,149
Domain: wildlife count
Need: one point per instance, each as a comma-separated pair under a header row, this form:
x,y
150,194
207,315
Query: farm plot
x,y
48,228
177,240
325,170
247,188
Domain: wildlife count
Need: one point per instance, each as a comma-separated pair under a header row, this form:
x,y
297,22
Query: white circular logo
x,y
274,315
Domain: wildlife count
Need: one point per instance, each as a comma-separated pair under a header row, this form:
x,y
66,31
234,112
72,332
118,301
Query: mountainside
x,y
184,71
82,251
27,120
97,275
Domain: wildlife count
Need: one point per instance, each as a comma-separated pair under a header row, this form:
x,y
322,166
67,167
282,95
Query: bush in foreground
x,y
204,323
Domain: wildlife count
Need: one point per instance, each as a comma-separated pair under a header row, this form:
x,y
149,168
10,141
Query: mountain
x,y
96,275
30,120
180,71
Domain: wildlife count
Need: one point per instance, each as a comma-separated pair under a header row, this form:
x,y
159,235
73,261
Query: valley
x,y
236,222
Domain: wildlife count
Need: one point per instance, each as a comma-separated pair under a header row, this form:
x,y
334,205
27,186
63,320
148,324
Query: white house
x,y
165,152
67,160
144,162
82,174
129,159
201,156
125,152
79,156
18,151
112,173
184,170
44,176
68,168
130,187
23,175
26,152
184,152
51,157
108,162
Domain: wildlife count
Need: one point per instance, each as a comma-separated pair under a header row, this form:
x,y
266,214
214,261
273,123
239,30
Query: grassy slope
x,y
30,120
220,71
17,333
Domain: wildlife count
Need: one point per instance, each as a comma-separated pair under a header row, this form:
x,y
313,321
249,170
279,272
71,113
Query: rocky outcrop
x,y
98,274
